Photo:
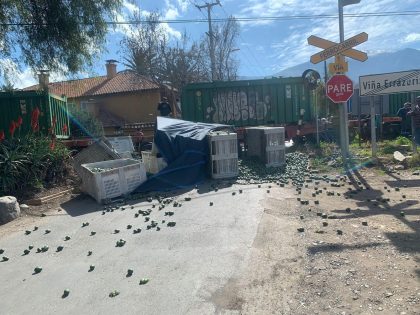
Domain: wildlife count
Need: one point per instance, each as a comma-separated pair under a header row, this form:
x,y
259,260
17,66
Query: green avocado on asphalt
x,y
143,281
66,293
114,293
37,270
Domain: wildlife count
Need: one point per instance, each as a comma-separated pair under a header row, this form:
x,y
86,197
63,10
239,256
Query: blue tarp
x,y
184,146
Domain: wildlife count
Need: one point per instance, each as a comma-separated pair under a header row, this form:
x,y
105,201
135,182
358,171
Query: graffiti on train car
x,y
228,106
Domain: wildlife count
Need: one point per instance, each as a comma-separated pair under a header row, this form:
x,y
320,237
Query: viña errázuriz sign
x,y
388,83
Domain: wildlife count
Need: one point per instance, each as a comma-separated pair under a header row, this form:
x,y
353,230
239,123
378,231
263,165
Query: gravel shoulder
x,y
341,266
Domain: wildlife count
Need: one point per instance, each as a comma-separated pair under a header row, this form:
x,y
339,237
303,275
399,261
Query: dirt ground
x,y
363,257
358,252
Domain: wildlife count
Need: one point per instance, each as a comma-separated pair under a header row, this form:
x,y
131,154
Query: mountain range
x,y
402,60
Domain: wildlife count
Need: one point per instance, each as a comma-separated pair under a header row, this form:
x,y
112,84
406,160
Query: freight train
x,y
283,102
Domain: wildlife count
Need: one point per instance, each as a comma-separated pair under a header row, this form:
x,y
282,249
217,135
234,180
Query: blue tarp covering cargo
x,y
184,146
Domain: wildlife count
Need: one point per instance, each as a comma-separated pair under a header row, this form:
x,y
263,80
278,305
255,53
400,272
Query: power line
x,y
244,19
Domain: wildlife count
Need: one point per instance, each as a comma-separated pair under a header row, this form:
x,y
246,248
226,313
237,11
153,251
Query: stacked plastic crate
x,y
223,154
267,143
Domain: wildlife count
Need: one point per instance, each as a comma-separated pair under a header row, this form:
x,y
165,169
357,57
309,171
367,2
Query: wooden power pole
x,y
208,6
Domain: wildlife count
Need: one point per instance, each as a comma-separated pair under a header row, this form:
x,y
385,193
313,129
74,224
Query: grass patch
x,y
414,162
390,146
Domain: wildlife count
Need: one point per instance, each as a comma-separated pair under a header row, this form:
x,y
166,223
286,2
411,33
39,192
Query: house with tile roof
x,y
116,99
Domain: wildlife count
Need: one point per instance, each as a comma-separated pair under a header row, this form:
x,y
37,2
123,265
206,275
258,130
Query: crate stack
x,y
223,154
267,143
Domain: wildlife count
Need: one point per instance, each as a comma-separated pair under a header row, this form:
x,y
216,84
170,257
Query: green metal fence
x,y
22,103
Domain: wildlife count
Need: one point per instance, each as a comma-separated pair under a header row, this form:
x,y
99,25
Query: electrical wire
x,y
246,19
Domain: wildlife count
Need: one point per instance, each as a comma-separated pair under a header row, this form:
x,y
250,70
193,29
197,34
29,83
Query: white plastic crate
x,y
122,145
274,139
152,163
261,140
223,167
275,156
223,144
119,177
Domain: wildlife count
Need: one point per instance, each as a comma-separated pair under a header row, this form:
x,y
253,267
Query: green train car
x,y
277,101
22,103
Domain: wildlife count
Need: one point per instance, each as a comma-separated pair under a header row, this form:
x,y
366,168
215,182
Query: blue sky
x,y
267,47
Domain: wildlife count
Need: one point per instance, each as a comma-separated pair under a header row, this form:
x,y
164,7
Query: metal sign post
x,y
316,117
373,126
343,107
413,106
345,48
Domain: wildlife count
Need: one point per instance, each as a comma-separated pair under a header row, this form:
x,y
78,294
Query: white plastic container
x,y
117,178
223,167
223,154
152,163
122,145
223,144
275,156
267,143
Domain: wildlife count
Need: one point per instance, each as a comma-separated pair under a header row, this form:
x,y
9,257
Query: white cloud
x,y
385,32
123,29
413,37
183,5
131,7
18,78
171,13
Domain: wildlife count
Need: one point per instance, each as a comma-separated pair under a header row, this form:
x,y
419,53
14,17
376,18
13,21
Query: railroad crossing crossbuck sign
x,y
332,49
339,88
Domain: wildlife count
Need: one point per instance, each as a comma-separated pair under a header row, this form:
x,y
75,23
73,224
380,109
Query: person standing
x,y
164,108
405,121
415,114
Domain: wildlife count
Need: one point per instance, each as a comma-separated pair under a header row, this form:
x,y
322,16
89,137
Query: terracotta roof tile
x,y
124,81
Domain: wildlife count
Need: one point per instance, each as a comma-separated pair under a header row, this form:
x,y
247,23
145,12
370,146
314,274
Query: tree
x,y
147,52
54,34
183,63
224,45
143,46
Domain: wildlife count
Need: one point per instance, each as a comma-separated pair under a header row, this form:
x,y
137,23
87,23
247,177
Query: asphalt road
x,y
186,264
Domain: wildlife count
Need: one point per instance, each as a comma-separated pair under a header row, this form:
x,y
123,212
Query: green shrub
x,y
30,162
402,141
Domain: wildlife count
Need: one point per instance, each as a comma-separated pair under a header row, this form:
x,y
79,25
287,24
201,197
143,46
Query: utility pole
x,y
208,6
